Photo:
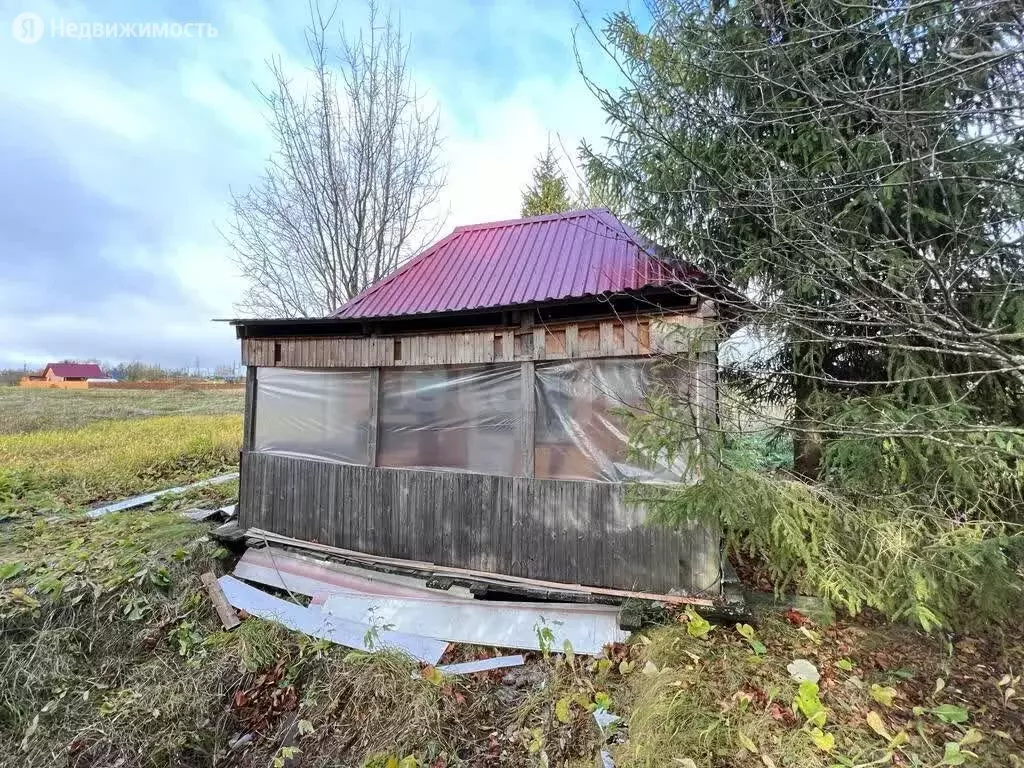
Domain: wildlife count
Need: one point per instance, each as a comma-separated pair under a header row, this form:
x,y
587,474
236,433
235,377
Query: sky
x,y
118,154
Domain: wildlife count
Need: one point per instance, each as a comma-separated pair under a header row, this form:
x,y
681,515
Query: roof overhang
x,y
648,301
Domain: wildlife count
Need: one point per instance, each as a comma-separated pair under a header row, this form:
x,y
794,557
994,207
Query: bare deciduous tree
x,y
352,188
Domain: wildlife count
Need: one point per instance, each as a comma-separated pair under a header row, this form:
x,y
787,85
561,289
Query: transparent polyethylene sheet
x,y
464,418
321,414
579,435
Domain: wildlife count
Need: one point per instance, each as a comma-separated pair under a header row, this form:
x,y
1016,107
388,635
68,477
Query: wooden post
x,y
528,427
248,443
706,372
249,412
374,415
705,538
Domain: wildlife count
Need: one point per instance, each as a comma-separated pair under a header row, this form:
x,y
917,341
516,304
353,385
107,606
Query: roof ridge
x,y
575,214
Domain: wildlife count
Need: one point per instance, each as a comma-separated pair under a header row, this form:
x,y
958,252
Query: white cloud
x,y
161,130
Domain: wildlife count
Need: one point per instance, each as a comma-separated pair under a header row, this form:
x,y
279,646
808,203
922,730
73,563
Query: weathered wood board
x,y
606,338
558,530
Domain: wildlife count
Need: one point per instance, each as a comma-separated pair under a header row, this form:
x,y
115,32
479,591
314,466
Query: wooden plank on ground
x,y
497,578
227,614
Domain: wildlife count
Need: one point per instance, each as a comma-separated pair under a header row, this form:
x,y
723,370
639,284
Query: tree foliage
x,y
857,170
549,191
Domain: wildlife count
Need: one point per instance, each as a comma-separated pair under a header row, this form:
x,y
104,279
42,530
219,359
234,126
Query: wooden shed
x,y
466,410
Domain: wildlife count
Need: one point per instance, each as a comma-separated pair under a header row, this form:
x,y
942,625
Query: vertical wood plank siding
x,y
608,338
557,530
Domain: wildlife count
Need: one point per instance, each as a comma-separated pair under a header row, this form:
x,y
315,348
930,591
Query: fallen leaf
x,y
802,670
794,617
826,742
697,626
746,743
874,721
953,755
562,711
883,694
973,736
950,713
811,635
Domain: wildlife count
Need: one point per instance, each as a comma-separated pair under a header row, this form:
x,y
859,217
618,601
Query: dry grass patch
x,y
29,410
110,459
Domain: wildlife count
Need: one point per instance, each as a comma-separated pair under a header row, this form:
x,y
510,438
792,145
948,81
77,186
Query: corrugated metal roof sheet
x,y
76,370
522,261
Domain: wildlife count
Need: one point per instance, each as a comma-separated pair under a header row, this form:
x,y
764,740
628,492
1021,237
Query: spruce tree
x,y
857,169
549,191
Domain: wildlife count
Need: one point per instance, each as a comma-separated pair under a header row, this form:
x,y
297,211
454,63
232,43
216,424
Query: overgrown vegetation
x,y
885,696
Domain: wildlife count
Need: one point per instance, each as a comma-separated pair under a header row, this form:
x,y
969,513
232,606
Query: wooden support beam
x,y
249,412
528,427
374,415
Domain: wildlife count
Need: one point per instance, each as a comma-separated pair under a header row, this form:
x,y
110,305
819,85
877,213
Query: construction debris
x,y
407,605
229,533
533,626
274,567
227,614
149,498
316,623
483,665
502,580
197,515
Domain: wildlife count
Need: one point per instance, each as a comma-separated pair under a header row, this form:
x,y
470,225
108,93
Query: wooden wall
x,y
558,530
608,338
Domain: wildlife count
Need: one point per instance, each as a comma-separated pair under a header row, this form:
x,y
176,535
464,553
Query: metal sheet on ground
x,y
308,576
482,665
148,498
319,624
480,622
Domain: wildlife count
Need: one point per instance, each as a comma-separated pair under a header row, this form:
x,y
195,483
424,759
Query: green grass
x,y
109,459
28,410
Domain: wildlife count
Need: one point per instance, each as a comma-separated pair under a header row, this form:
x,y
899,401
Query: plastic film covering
x,y
317,414
581,432
464,418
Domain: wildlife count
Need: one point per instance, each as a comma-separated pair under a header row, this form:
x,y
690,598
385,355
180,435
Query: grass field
x,y
27,410
85,446
111,655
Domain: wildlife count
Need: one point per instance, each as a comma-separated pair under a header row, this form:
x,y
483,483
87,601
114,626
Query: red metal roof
x,y
522,261
75,370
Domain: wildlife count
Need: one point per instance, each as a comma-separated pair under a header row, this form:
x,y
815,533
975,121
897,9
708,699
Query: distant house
x,y
57,372
65,376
